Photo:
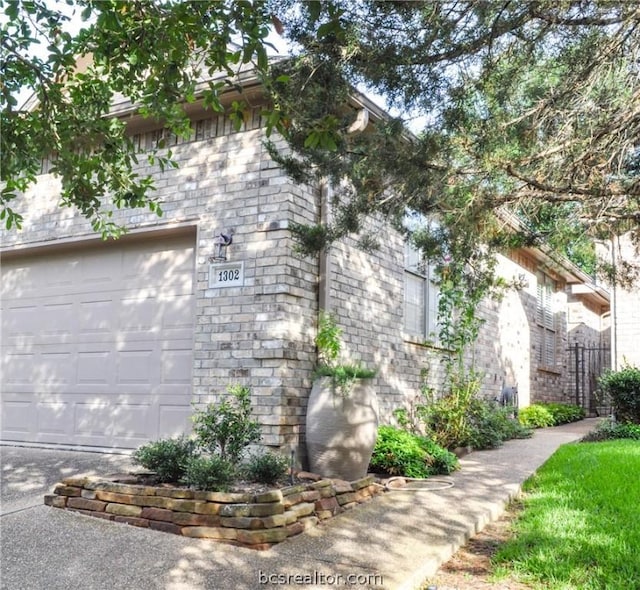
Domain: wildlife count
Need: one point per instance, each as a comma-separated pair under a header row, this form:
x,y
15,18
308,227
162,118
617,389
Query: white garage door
x,y
97,343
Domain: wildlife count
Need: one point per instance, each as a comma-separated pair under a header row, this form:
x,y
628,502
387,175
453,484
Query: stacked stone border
x,y
257,520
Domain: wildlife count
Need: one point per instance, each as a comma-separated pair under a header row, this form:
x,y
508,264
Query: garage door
x,y
97,343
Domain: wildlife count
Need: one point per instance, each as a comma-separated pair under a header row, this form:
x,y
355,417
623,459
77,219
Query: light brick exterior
x,y
262,334
627,310
259,335
367,294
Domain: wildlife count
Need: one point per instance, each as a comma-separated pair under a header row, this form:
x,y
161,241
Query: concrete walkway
x,y
395,541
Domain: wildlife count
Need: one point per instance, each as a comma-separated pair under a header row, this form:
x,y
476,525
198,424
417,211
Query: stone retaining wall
x,y
254,520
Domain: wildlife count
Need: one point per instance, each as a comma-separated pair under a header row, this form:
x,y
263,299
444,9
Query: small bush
x,y
267,467
544,414
226,428
213,473
490,425
608,430
440,461
564,413
516,430
398,452
168,458
536,416
623,387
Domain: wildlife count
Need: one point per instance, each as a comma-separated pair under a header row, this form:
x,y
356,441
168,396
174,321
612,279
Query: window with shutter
x,y
545,318
420,295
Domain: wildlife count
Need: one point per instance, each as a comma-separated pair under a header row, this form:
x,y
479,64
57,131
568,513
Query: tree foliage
x,y
532,106
157,55
523,105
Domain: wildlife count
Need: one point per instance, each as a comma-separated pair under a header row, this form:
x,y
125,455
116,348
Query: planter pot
x,y
341,430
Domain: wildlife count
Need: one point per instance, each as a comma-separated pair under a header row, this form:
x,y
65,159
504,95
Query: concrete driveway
x,y
58,550
28,474
46,548
394,542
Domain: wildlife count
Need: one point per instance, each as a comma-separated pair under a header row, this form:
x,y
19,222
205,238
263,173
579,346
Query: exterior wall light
x,y
220,243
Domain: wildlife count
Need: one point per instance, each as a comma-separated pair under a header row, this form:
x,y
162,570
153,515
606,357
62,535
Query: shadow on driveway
x,y
28,473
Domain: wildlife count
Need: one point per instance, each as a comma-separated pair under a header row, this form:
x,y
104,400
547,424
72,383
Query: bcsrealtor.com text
x,y
319,579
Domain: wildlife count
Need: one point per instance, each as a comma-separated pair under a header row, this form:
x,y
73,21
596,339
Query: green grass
x,y
580,528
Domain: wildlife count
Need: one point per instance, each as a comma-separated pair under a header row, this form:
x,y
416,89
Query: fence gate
x,y
588,363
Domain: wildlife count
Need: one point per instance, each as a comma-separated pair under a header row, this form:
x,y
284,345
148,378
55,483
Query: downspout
x,y
324,293
324,286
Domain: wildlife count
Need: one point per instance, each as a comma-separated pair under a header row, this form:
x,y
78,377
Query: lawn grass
x,y
580,528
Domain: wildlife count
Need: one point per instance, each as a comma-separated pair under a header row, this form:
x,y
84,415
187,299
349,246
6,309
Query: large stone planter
x,y
341,430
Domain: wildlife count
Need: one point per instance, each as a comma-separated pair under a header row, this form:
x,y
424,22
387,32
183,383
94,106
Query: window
x,y
545,318
420,295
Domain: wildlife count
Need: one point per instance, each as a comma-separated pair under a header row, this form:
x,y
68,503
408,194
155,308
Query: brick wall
x,y
368,299
627,310
261,334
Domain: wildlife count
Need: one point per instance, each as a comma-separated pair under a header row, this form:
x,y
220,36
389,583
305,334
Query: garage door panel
x,y
17,416
175,312
54,368
93,420
132,420
18,283
58,277
19,323
137,367
139,315
94,367
55,419
97,344
56,321
176,366
96,316
173,417
16,369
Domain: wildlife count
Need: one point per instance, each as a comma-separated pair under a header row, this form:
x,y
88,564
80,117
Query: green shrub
x,y
266,467
213,473
536,416
623,387
544,414
447,420
166,457
440,461
227,429
398,452
490,425
608,430
461,418
329,345
564,413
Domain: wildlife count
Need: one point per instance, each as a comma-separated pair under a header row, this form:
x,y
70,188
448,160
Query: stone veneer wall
x,y
254,520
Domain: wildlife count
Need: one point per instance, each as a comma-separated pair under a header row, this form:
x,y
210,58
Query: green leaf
x,y
312,140
314,9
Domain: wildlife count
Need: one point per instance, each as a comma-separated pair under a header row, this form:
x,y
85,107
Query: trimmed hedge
x,y
545,414
564,413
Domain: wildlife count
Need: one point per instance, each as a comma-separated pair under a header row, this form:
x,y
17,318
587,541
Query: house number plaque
x,y
226,274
